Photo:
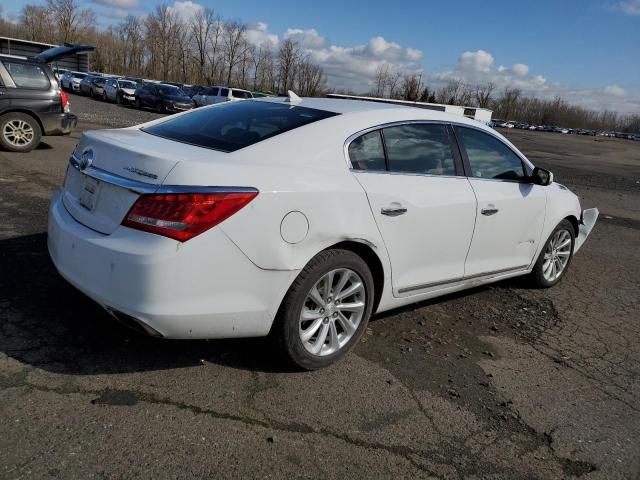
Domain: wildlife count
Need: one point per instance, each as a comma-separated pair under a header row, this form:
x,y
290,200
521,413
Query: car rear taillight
x,y
182,216
64,101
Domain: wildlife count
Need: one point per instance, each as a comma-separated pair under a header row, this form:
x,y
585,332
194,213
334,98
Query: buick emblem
x,y
86,159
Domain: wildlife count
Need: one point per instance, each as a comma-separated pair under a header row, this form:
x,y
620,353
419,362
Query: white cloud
x,y
520,69
503,69
120,4
478,61
184,10
615,90
629,7
309,39
258,35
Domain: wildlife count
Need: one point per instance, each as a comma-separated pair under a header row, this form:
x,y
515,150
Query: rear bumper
x,y
204,288
587,222
58,123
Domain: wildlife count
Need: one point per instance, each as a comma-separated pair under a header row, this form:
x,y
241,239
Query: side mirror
x,y
543,177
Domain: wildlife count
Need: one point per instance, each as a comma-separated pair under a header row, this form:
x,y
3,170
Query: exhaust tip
x,y
133,323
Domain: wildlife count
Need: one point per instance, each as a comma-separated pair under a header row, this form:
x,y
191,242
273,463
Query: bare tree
x,y
288,56
233,41
72,22
37,22
381,80
202,25
482,94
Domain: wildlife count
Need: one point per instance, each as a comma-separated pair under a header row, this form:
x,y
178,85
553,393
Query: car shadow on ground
x,y
47,323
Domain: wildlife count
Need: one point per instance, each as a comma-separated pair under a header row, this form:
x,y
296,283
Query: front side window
x,y
367,152
488,156
27,75
419,148
224,92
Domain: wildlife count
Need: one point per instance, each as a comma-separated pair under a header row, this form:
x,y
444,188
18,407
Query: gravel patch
x,y
107,114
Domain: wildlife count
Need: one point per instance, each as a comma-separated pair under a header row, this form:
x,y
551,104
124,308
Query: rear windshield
x,y
235,125
170,90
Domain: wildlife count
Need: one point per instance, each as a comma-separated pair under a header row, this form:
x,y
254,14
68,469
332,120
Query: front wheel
x,y
555,256
19,132
138,103
326,309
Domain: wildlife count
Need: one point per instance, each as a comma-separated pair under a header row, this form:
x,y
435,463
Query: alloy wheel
x,y
332,312
18,133
556,255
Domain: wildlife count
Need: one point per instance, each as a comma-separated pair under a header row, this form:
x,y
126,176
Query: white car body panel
x,y
424,245
509,238
230,280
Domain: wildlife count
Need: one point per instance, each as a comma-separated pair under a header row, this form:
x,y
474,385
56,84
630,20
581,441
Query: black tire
x,y
285,330
537,274
19,117
104,96
118,99
160,107
138,104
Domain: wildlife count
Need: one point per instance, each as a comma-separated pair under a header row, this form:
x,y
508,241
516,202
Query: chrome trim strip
x,y
461,279
148,188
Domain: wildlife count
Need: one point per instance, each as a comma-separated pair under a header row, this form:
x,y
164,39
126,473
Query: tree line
x,y
202,49
509,103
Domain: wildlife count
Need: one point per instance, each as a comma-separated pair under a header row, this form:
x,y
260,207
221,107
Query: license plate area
x,y
89,194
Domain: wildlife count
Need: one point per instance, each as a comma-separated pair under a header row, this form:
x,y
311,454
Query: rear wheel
x,y
104,96
555,257
19,132
159,107
326,310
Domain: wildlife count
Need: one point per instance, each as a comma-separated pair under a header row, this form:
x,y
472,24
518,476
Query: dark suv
x,y
32,103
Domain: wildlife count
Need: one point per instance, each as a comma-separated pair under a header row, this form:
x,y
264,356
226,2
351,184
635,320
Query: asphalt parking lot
x,y
501,382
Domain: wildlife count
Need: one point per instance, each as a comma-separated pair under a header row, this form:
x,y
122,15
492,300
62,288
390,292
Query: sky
x,y
587,51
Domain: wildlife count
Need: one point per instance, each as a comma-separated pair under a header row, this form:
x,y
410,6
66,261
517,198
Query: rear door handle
x,y
490,210
393,210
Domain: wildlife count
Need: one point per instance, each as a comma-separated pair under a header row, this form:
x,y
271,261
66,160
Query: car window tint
x,y
214,92
488,156
367,153
235,125
240,94
419,148
224,92
27,75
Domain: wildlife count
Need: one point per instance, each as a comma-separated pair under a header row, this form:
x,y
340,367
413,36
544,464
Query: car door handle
x,y
393,210
490,210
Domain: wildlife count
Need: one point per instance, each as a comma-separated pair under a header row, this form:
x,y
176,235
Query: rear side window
x,y
224,92
214,92
489,157
367,152
240,94
26,75
235,125
419,148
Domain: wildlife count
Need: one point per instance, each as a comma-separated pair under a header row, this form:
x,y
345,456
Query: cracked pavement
x,y
502,382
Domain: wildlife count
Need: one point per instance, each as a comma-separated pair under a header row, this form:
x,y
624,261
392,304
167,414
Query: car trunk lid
x,y
110,169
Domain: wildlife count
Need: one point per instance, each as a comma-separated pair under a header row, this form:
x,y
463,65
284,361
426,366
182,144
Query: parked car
x,y
162,98
93,86
191,90
220,94
71,81
32,103
59,73
211,224
120,91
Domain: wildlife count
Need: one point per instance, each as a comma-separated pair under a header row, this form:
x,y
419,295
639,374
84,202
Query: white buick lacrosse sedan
x,y
301,218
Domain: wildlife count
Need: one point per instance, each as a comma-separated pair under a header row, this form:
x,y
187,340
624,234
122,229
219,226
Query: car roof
x,y
347,106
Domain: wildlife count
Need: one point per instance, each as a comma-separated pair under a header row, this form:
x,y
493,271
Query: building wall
x,y
78,62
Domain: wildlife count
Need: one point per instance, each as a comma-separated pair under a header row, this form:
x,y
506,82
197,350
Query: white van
x,y
211,95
